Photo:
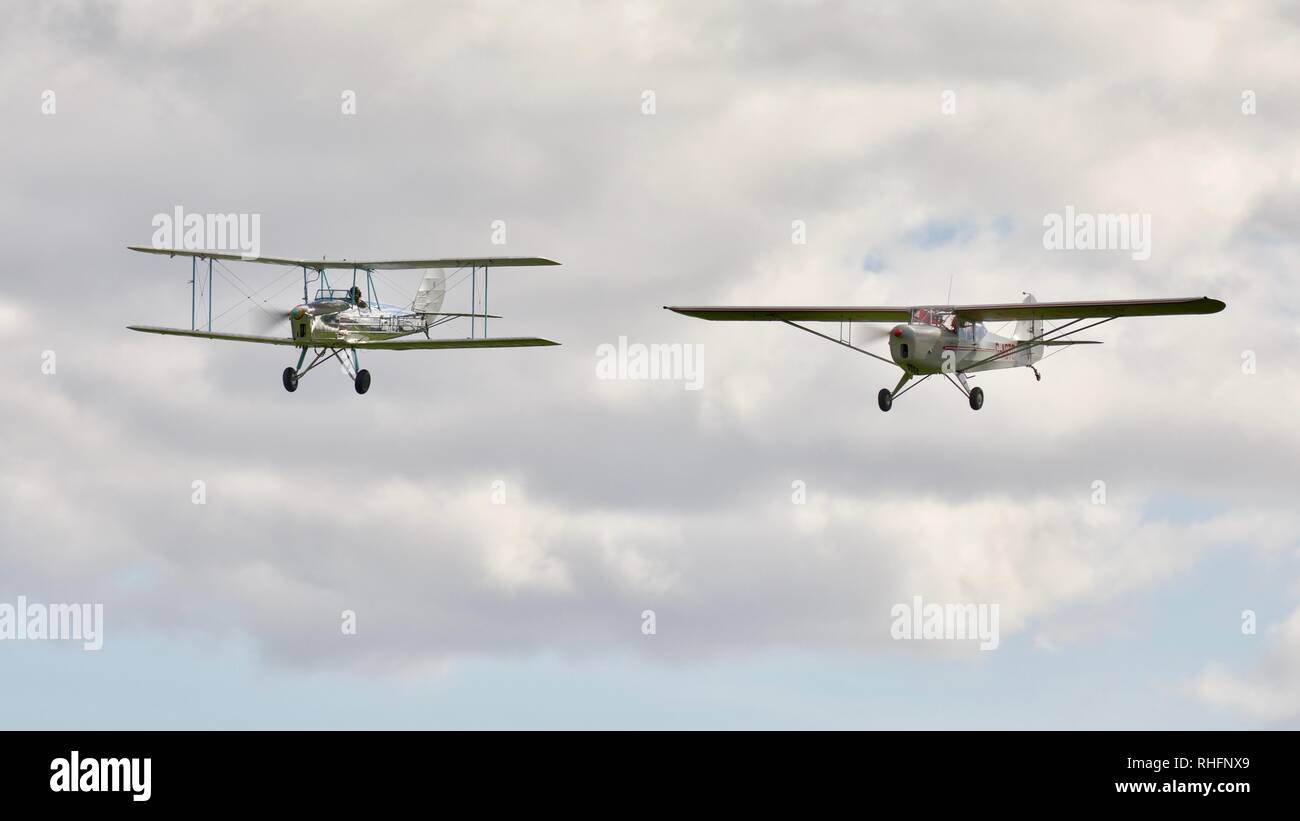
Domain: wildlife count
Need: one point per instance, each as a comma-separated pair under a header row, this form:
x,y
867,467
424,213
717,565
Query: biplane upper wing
x,y
400,344
1111,308
726,313
365,265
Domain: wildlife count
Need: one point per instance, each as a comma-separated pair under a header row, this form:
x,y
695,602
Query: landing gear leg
x,y
362,379
1038,377
290,376
885,399
973,395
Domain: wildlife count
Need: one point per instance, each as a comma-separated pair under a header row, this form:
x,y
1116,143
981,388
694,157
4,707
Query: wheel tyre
x,y
885,399
977,399
363,381
290,379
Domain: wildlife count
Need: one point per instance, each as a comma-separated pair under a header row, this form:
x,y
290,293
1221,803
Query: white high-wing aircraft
x,y
952,340
346,319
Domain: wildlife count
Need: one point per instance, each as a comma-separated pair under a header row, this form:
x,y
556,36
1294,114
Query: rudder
x,y
1029,329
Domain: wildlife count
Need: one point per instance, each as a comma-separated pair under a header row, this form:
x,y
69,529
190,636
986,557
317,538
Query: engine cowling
x,y
916,348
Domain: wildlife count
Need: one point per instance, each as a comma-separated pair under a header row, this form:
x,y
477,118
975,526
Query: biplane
x,y
338,322
953,341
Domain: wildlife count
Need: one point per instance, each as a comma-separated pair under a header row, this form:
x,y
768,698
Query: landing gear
x,y
351,368
976,398
1038,377
885,399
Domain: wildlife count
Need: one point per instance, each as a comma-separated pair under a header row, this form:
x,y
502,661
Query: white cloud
x,y
1268,693
623,496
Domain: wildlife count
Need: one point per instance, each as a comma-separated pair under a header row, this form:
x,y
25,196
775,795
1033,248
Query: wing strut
x,y
838,341
1037,341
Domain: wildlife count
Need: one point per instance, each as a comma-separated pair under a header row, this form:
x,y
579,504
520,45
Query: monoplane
x,y
953,340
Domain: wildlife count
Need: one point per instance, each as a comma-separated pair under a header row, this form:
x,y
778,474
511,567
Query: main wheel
x,y
976,398
885,399
290,379
363,381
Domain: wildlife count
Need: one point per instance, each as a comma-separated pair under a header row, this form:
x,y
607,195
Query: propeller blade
x,y
269,318
864,332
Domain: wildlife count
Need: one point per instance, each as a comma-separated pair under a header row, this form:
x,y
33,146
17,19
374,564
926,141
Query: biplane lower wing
x,y
375,345
263,340
438,344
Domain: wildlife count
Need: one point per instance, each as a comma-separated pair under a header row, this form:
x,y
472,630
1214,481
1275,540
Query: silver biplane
x,y
338,322
952,340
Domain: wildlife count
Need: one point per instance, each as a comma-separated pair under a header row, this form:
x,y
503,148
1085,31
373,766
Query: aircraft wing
x,y
364,265
265,340
725,313
439,344
1088,310
402,344
439,313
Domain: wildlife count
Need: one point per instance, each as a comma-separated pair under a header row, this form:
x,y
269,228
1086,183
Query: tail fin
x,y
1029,329
428,297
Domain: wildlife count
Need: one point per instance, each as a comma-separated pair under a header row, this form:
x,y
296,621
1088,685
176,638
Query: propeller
x,y
864,332
269,318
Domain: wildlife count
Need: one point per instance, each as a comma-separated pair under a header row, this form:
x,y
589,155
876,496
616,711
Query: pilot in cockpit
x,y
356,297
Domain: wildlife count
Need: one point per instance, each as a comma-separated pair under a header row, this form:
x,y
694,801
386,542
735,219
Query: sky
x,y
507,539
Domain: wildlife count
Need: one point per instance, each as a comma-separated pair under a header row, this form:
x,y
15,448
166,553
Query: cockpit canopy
x,y
341,294
939,317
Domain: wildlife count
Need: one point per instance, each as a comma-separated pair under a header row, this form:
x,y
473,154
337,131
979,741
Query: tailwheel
x,y
885,399
362,383
976,398
290,379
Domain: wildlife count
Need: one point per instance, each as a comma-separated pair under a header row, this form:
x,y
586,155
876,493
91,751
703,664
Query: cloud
x,y
1269,693
624,496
